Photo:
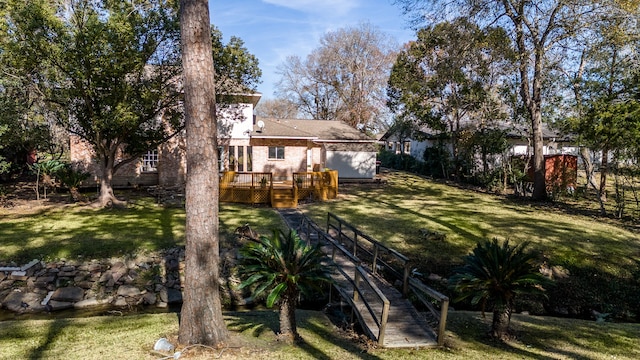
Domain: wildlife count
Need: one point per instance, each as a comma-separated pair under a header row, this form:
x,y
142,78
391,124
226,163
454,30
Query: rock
x,y
54,305
21,302
18,275
85,284
92,268
91,303
163,294
120,302
71,294
149,298
172,264
43,281
128,290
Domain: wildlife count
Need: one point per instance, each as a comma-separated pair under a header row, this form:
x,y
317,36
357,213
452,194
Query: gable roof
x,y
316,130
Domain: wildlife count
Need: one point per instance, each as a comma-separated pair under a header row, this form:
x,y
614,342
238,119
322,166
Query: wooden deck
x,y
385,315
262,188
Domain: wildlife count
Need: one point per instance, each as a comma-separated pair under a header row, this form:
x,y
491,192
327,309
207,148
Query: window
x,y
150,161
240,158
276,152
407,147
232,158
249,158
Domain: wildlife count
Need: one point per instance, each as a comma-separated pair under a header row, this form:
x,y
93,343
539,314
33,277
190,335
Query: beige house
x,y
250,144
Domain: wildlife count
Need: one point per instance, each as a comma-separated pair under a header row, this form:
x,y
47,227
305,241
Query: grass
x,y
395,214
74,231
253,336
602,257
604,260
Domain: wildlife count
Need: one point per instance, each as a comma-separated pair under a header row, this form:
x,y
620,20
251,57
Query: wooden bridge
x,y
383,309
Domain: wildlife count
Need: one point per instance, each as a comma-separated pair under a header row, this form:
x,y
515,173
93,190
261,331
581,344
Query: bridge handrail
x,y
377,246
418,288
359,274
410,284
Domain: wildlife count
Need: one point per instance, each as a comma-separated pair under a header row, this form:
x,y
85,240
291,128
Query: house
x,y
251,144
517,136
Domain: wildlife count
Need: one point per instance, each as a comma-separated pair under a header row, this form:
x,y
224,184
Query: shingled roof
x,y
317,130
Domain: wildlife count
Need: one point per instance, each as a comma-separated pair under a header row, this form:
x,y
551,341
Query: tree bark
x,y
288,328
500,323
107,197
201,320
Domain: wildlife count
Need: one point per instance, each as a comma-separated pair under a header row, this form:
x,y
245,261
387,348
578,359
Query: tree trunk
x,y
539,178
201,320
107,197
604,168
288,329
500,323
588,169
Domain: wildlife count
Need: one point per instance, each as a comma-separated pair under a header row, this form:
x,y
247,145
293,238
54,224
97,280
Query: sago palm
x,y
283,266
493,275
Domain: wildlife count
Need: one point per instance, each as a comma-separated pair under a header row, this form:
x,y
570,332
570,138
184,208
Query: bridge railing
x,y
383,258
357,281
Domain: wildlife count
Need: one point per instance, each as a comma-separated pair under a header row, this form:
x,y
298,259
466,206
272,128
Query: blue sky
x,y
275,29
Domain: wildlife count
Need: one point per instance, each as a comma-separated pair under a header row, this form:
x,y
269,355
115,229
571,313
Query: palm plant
x,y
45,172
284,266
72,179
493,275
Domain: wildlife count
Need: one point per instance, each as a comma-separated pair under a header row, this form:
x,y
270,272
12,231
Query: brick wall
x,y
295,157
83,158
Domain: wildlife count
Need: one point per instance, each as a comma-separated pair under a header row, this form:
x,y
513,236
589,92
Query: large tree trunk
x,y
106,196
288,328
500,323
201,320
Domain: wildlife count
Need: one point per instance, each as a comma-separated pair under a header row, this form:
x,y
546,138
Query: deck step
x,y
283,199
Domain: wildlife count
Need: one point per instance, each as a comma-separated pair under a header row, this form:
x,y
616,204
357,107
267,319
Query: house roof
x,y
316,130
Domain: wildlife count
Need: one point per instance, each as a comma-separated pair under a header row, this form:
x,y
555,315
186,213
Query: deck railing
x,y
257,187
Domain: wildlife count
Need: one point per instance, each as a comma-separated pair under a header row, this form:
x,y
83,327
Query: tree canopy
x,y
449,78
541,32
236,69
109,72
343,79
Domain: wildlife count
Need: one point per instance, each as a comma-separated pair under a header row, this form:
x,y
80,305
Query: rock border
x,y
153,280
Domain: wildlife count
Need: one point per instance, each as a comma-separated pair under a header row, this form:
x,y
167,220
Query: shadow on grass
x,y
317,333
55,329
83,232
548,337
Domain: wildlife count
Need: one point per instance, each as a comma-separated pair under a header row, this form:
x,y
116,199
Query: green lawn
x,y
603,258
74,231
253,337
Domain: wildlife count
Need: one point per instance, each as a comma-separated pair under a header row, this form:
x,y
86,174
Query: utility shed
x,y
561,171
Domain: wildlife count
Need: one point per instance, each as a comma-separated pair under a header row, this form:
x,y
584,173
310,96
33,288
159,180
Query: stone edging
x,y
154,280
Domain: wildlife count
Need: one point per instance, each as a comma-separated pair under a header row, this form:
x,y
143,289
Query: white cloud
x,y
334,7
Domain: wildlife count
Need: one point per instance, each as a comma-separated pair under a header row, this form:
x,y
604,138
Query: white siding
x,y
352,164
